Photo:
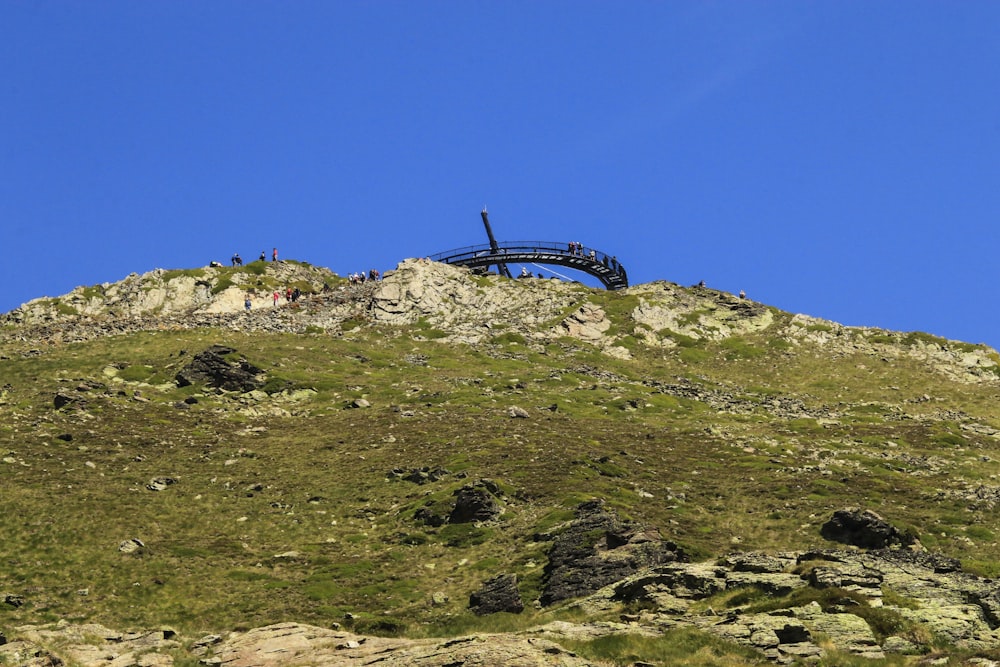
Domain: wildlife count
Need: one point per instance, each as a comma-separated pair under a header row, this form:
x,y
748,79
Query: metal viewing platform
x,y
596,263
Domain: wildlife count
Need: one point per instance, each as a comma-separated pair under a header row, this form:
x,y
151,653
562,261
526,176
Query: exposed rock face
x,y
463,308
588,322
467,307
696,312
864,528
207,290
280,645
497,594
598,548
89,644
955,606
212,369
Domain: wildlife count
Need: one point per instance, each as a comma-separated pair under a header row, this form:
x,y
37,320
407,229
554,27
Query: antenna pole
x,y
489,231
494,246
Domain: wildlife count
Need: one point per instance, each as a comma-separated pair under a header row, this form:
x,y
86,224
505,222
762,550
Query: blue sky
x,y
834,158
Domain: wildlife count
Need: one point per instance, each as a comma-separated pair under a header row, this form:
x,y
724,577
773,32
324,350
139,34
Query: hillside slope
x,y
444,454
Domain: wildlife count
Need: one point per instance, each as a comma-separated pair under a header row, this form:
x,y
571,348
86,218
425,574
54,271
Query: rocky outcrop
x,y
479,502
598,548
207,290
279,645
465,308
87,645
212,368
832,599
497,594
476,503
698,312
468,308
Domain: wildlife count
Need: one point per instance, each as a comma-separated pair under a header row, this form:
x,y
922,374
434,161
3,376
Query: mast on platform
x,y
494,246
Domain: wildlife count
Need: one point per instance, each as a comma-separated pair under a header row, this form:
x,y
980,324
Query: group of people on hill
x,y
236,260
291,295
361,277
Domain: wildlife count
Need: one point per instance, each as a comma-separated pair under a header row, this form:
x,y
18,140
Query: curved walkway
x,y
602,266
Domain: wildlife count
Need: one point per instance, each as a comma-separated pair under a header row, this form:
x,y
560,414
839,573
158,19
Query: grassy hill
x,y
248,508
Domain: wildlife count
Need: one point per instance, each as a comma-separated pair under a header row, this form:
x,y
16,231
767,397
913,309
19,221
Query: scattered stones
x,y
160,483
423,475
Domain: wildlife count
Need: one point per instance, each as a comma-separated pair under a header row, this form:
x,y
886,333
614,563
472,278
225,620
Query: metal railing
x,y
485,252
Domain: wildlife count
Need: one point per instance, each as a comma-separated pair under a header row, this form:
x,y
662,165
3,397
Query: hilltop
x,y
593,474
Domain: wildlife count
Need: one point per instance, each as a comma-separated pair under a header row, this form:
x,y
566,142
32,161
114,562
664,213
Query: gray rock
x,y
211,368
758,562
497,594
475,503
61,400
160,483
772,583
201,646
864,528
423,475
598,549
900,645
684,581
13,600
131,546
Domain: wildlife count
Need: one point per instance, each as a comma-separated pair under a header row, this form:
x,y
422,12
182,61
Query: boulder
x,y
212,368
475,503
61,400
160,483
598,549
12,600
497,594
864,528
131,546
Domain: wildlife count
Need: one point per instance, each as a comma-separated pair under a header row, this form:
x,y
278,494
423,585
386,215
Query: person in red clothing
x,y
274,255
276,297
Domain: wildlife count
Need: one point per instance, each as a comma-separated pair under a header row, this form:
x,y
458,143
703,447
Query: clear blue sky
x,y
839,158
